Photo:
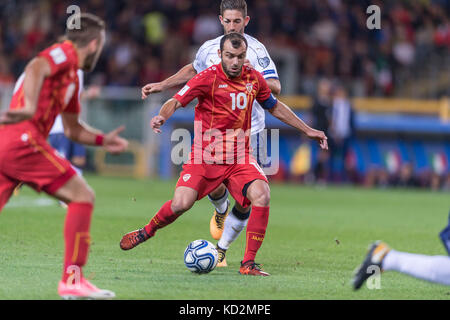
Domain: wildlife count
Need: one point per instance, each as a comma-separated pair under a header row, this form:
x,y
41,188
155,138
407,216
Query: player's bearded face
x,y
91,59
233,59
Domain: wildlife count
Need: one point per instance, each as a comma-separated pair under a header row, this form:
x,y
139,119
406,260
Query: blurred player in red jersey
x,y
48,87
226,93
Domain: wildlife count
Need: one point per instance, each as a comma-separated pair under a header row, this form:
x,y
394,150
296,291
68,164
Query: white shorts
x,y
258,142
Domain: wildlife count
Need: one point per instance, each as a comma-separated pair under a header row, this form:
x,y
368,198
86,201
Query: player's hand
x,y
319,136
113,143
248,64
151,88
156,123
91,92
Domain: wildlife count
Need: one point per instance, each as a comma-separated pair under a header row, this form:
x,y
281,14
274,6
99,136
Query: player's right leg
x,y
183,199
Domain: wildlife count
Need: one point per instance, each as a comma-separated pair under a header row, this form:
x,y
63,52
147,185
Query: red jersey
x,y
224,112
59,92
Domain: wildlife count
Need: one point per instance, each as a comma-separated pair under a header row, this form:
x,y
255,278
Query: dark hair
x,y
240,5
235,38
88,28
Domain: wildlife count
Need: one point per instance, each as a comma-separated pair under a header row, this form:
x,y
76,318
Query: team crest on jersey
x,y
249,87
186,177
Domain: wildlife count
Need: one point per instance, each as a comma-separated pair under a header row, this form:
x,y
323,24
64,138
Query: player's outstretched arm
x,y
165,113
181,77
286,115
274,85
35,73
77,131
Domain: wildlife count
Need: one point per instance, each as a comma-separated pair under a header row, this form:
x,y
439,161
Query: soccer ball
x,y
200,256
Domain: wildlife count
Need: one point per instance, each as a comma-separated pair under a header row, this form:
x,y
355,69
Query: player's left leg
x,y
237,219
248,184
223,220
258,192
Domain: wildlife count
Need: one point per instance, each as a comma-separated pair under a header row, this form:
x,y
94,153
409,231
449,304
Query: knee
x,y
181,205
218,192
261,197
90,195
87,195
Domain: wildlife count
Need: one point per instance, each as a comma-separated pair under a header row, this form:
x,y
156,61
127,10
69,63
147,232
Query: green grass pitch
x,y
315,239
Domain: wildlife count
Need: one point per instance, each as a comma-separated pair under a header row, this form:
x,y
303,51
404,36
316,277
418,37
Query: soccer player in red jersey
x,y
220,151
48,87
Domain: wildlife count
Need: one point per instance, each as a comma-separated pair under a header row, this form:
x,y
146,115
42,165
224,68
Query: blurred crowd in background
x,y
150,40
337,56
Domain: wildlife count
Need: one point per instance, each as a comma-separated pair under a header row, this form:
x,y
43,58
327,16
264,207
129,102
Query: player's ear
x,y
246,20
93,44
219,53
221,19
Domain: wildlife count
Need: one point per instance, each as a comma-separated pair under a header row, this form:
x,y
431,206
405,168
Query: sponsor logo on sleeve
x,y
183,91
264,62
58,55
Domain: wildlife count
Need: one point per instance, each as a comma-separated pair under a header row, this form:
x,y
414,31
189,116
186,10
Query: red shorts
x,y
205,178
25,156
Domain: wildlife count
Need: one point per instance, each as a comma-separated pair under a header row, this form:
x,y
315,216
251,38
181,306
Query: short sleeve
x,y
58,59
264,63
195,88
199,62
201,58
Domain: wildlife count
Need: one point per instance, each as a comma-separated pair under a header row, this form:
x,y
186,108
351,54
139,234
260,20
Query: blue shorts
x,y
67,148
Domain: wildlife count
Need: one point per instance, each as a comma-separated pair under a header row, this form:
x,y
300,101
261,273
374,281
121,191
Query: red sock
x,y
77,239
256,230
164,217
